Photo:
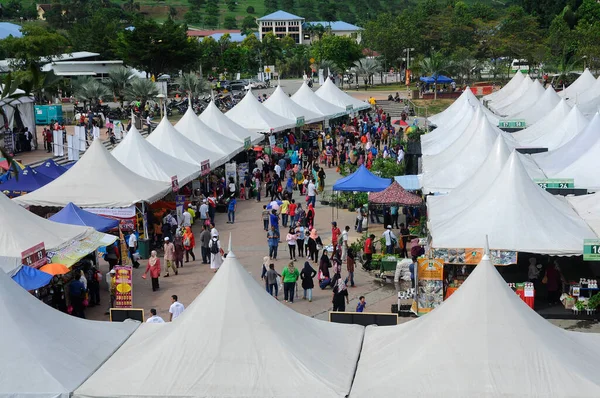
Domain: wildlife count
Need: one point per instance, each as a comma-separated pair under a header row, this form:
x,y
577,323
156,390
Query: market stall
x,y
51,169
216,120
252,115
280,103
307,98
28,181
73,215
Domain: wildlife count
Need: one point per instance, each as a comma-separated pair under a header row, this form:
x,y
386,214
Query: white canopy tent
x,y
250,114
511,86
545,125
216,120
516,206
588,207
46,353
307,99
558,135
441,208
234,340
449,114
484,341
461,159
332,94
139,156
579,159
539,109
22,230
592,93
196,131
170,141
531,96
443,136
583,83
97,180
512,97
281,104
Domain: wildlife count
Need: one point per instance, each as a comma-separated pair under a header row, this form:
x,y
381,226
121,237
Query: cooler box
x,y
144,248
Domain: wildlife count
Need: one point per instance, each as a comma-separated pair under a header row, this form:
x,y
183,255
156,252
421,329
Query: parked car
x,y
238,85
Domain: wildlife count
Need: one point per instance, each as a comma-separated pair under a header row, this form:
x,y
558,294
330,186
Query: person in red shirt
x,y
368,250
335,235
292,212
48,138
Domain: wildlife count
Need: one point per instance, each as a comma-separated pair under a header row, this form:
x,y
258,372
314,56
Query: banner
x,y
473,256
430,285
205,167
125,260
230,171
174,184
242,169
247,143
272,140
126,215
179,203
76,250
35,256
124,280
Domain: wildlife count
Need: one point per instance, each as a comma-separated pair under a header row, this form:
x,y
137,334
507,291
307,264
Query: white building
x,y
336,28
281,24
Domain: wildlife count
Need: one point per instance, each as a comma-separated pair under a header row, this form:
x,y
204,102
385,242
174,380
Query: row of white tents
x,y
235,340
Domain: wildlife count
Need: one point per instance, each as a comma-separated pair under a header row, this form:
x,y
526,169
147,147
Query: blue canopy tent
x,y
51,169
72,214
362,180
29,180
30,278
441,79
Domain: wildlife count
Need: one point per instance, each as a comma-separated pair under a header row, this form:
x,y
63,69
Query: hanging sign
x,y
512,124
555,183
124,288
247,143
591,250
174,184
272,140
205,167
349,108
300,121
179,202
430,284
230,171
35,256
473,256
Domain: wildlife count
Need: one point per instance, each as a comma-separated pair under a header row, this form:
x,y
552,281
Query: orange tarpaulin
x,y
55,269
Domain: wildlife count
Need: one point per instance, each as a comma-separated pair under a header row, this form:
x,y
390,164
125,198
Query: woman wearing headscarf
x,y
321,176
263,273
340,296
314,240
154,268
216,253
307,275
179,250
289,276
310,216
189,242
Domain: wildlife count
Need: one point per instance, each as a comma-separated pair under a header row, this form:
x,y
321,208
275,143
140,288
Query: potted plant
x,y
593,303
579,307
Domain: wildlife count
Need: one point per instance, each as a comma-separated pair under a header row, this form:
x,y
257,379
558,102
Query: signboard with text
x,y
174,184
179,203
512,124
555,183
124,288
300,121
272,140
430,284
205,167
35,256
247,143
591,250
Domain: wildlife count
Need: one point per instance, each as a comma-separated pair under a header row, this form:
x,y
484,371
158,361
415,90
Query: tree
x,y
141,90
117,82
191,84
229,22
88,89
197,3
343,51
518,36
367,68
97,31
287,5
588,43
248,25
193,16
435,65
37,44
250,10
37,83
270,6
231,5
211,21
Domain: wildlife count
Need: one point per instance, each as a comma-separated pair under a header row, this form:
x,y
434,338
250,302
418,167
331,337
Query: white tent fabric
x,y
22,230
332,94
141,157
216,120
592,93
250,114
234,340
442,137
196,131
545,125
281,104
508,212
583,83
484,341
451,167
540,108
533,94
170,141
512,97
46,353
443,207
560,134
579,159
97,180
449,114
511,86
307,99
588,207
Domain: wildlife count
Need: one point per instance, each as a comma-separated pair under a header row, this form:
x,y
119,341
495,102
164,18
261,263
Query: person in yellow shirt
x,y
283,209
192,212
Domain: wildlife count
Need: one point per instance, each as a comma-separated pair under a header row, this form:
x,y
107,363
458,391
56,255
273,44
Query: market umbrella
x,y
30,278
55,269
395,194
274,205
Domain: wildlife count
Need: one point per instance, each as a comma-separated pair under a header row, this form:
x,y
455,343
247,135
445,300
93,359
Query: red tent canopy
x,y
395,194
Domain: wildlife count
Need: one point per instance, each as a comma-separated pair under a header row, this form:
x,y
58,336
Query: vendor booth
x,y
28,181
307,99
73,215
51,169
216,120
252,115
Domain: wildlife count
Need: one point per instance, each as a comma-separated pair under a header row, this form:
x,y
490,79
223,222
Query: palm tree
x,y
191,84
367,68
141,90
117,81
88,89
435,65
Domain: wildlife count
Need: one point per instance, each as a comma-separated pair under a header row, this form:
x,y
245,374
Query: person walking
x,y
216,253
350,267
132,246
154,268
321,175
274,220
76,297
369,250
312,193
335,235
404,237
176,308
273,241
292,212
289,275
307,275
300,233
344,243
231,207
178,243
390,240
283,210
265,215
340,296
264,270
272,281
154,318
291,239
204,212
310,216
112,256
189,242
169,250
204,242
314,245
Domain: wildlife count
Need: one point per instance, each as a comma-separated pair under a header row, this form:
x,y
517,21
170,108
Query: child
x,y
265,218
362,304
